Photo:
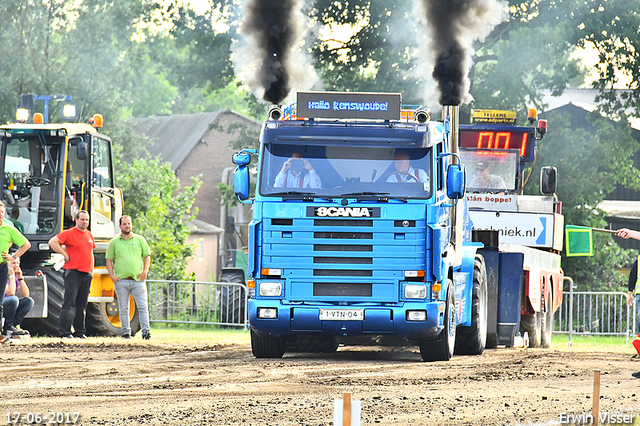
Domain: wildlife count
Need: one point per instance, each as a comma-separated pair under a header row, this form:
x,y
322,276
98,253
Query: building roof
x,y
581,98
199,227
174,136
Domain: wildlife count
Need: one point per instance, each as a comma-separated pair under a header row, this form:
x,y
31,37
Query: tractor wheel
x,y
532,324
232,300
50,325
472,340
267,346
441,348
103,318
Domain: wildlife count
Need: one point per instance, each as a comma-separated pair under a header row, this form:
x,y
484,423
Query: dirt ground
x,y
109,381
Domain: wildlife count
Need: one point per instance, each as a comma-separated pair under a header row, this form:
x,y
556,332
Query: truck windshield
x,y
334,171
493,171
31,186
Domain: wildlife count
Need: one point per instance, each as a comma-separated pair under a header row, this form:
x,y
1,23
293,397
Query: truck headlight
x,y
416,315
415,291
270,289
267,313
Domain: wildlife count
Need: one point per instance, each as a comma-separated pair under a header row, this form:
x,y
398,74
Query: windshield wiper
x,y
360,194
380,196
294,195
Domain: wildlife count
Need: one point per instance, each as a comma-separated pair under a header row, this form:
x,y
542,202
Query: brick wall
x,y
209,158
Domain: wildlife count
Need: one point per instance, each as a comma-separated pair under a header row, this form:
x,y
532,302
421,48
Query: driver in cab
x,y
404,172
296,172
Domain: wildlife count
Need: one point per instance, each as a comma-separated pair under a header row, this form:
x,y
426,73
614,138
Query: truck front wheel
x,y
441,348
472,340
267,346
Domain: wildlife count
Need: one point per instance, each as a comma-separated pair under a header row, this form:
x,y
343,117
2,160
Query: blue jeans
x,y
137,289
15,309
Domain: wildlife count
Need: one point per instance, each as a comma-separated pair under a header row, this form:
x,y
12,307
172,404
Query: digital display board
x,y
502,138
377,106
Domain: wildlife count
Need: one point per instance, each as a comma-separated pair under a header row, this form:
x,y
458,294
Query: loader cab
x,y
49,172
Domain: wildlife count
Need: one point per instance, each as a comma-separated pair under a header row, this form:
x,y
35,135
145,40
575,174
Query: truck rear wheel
x,y
441,348
532,324
472,340
103,318
267,346
232,306
547,323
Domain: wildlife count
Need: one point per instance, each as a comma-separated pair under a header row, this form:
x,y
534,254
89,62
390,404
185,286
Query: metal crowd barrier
x,y
198,302
595,313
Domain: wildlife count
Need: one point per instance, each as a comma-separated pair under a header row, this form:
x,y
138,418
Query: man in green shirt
x,y
128,260
9,236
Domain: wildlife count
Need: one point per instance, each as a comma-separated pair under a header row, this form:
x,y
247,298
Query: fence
x,y
197,302
595,313
216,303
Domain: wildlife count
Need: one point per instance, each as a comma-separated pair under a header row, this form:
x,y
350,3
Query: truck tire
x,y
50,325
532,324
267,346
232,306
312,343
472,340
441,348
547,323
103,318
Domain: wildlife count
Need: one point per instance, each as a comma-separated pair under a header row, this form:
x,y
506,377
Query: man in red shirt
x,y
78,256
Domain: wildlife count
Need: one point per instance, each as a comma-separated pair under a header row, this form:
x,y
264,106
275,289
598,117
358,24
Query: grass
x,y
593,343
198,334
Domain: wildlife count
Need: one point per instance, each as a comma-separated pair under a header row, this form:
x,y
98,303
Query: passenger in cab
x,y
296,172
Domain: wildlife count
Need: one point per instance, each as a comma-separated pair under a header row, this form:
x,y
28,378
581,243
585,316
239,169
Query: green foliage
x,y
589,167
161,212
381,54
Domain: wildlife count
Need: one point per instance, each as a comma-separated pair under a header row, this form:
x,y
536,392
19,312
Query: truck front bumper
x,y
305,319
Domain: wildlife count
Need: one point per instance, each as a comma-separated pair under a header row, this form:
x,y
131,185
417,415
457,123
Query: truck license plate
x,y
342,314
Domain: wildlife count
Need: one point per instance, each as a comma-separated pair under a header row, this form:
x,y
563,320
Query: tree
x,y
589,168
161,212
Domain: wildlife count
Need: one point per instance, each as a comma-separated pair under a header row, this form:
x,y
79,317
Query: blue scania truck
x,y
360,231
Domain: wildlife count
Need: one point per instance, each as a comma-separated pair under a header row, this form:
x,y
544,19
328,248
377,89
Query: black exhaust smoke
x,y
270,24
454,25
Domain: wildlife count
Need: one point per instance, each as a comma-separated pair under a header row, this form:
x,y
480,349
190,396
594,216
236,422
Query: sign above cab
x,y
345,105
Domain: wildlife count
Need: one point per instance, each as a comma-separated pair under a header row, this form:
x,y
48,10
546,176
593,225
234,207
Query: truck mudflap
x,y
372,320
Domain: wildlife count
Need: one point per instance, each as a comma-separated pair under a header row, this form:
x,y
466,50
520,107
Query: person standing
x,y
128,261
9,236
78,256
633,288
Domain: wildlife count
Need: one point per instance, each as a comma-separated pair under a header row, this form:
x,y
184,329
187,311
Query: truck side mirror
x,y
455,181
241,182
548,180
242,159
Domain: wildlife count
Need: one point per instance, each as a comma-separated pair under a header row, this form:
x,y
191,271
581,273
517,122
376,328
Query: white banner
x,y
527,229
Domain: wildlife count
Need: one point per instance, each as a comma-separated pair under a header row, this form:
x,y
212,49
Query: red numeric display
x,y
497,139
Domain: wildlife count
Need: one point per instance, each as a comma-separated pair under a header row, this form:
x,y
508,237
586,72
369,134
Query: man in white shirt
x,y
404,172
296,172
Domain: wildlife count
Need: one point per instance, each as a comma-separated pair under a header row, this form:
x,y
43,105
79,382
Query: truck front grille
x,y
343,289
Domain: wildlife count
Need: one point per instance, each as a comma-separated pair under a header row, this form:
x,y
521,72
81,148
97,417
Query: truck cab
x,y
360,232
